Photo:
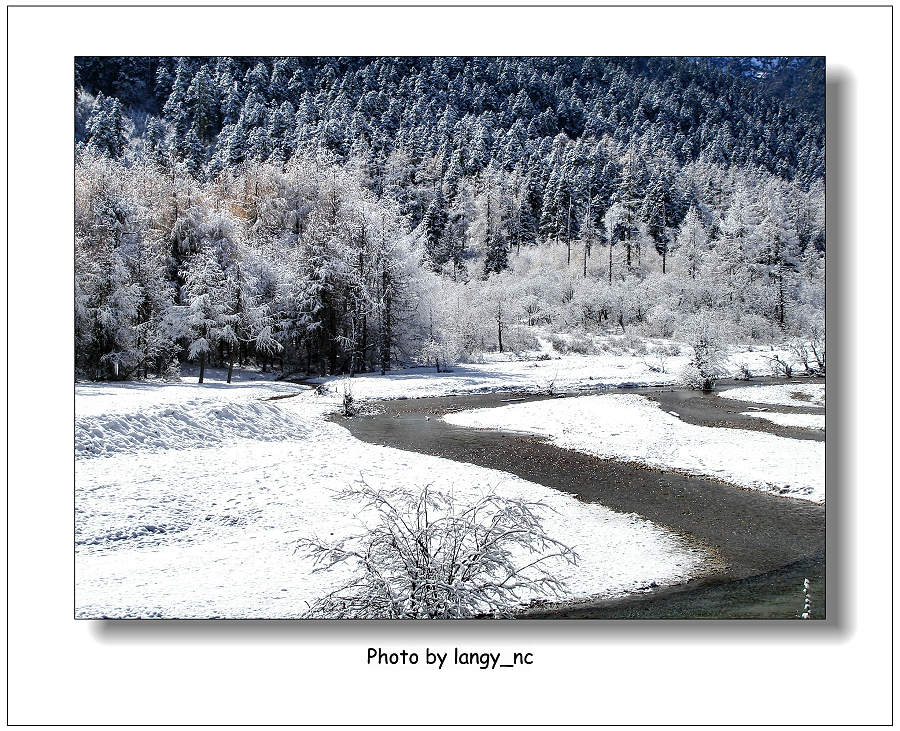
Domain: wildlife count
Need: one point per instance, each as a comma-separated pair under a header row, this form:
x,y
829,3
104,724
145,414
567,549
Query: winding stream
x,y
767,544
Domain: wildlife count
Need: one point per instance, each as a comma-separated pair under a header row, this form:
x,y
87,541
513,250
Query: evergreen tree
x,y
202,99
208,319
496,257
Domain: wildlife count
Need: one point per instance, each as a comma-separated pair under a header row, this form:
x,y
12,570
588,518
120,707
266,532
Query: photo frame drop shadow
x,y
840,461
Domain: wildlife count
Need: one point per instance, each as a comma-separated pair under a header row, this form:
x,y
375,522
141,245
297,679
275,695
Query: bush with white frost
x,y
425,556
348,403
708,362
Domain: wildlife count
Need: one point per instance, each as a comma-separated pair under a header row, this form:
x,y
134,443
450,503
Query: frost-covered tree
x,y
202,99
707,336
612,221
778,247
106,127
208,319
691,243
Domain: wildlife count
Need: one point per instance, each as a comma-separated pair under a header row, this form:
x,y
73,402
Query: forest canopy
x,y
332,215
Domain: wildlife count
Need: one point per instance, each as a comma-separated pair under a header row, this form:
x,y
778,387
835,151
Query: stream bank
x,y
764,541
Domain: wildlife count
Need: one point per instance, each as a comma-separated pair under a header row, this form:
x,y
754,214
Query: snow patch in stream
x,y
804,421
633,428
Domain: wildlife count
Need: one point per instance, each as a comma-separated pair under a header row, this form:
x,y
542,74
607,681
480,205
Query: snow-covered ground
x,y
190,499
788,394
535,371
804,421
633,428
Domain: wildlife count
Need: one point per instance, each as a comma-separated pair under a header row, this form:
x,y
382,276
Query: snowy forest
x,y
350,215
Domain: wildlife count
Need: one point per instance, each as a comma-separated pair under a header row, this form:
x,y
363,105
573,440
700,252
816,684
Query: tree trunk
x,y
781,300
202,366
499,326
332,344
386,322
664,261
610,261
230,363
364,346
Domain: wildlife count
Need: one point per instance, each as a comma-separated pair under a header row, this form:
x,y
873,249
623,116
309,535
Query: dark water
x,y
773,595
765,544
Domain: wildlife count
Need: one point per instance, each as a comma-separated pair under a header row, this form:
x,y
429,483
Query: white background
x,y
62,671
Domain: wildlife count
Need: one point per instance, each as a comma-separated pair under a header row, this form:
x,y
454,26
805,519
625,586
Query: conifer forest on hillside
x,y
327,216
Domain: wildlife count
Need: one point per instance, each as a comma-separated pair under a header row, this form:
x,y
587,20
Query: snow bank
x,y
535,371
102,399
804,421
191,425
632,428
189,531
811,394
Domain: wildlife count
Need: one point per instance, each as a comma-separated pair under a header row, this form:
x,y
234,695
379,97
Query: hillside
x,y
348,214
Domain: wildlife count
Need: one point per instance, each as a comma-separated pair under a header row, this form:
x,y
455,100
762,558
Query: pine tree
x,y
496,257
176,107
203,101
433,224
106,132
655,214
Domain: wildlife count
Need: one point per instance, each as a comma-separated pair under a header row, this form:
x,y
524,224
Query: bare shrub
x,y
810,354
659,357
780,367
816,344
581,344
441,353
426,557
670,349
550,390
756,327
614,345
636,345
564,344
809,345
798,348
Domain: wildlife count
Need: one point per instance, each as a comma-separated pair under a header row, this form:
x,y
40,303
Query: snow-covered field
x,y
788,394
633,428
190,499
804,421
535,371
